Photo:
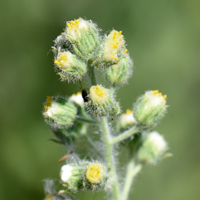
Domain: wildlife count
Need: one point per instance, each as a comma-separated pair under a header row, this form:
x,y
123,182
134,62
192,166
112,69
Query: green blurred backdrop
x,y
163,37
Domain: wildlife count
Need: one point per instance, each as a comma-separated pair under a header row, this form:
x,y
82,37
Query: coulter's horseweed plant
x,y
79,53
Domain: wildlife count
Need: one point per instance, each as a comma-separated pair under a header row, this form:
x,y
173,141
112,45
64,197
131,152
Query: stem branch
x,y
132,171
125,134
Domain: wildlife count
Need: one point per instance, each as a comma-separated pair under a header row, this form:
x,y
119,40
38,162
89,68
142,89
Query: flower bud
x,y
72,176
59,111
119,73
102,102
95,173
153,148
127,119
83,36
149,108
114,45
70,66
77,99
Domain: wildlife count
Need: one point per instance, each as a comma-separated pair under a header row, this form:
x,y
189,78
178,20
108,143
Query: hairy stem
x,y
91,73
125,135
132,171
109,156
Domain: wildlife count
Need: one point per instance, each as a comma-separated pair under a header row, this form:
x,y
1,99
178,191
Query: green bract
x,y
84,37
59,111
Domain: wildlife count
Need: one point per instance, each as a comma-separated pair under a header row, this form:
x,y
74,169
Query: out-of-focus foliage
x,y
162,37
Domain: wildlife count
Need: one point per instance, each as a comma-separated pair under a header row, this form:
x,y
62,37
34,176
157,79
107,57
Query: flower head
x,y
59,111
95,173
153,147
83,36
150,107
69,65
102,102
99,94
127,119
113,45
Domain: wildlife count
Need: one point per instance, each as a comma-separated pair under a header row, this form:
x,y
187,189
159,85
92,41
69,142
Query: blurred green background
x,y
163,37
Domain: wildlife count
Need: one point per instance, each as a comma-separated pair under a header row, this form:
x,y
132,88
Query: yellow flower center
x,y
73,24
114,43
64,60
95,173
99,94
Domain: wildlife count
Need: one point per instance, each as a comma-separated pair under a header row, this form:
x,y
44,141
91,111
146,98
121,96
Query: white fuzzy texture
x,y
66,172
52,110
127,119
154,99
157,141
77,98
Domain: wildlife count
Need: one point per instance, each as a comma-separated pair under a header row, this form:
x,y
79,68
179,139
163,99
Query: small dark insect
x,y
65,157
85,95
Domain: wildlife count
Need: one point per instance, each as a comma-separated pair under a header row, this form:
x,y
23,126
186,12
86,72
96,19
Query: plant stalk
x,y
132,171
109,156
91,73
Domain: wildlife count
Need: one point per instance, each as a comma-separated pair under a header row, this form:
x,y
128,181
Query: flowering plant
x,y
80,52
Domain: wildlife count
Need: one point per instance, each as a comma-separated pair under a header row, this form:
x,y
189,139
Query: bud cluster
x,y
78,54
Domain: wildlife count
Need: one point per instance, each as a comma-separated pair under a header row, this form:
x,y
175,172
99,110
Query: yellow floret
x,y
48,102
99,94
95,173
113,45
64,60
74,27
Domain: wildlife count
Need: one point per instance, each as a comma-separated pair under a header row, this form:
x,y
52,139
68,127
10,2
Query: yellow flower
x,y
99,94
95,173
114,43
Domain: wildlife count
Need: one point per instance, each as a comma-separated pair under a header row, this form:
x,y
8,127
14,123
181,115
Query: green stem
x,y
91,73
91,121
132,171
125,134
109,156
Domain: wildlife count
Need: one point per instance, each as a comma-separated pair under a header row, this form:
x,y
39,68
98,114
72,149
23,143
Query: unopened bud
x,y
127,119
149,108
77,99
102,102
70,66
120,72
83,35
59,111
153,148
72,176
